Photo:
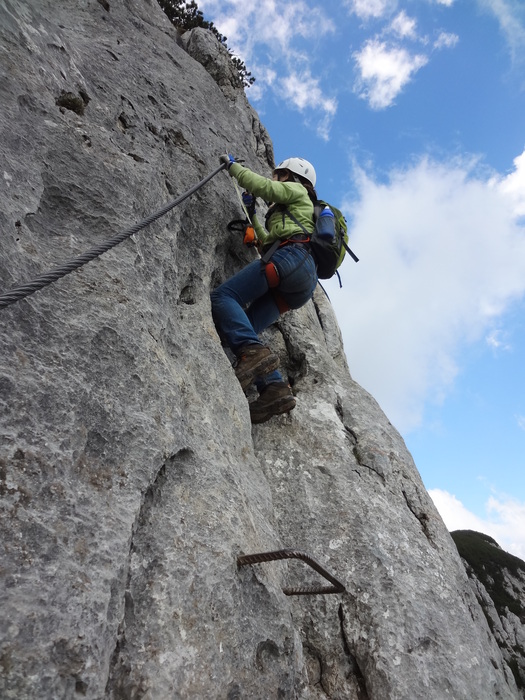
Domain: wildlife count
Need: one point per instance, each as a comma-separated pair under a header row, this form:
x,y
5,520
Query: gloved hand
x,y
249,202
228,159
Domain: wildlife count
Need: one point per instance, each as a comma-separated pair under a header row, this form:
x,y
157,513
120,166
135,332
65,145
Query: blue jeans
x,y
244,305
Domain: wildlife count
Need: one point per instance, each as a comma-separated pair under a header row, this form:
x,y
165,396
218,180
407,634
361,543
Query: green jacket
x,y
292,194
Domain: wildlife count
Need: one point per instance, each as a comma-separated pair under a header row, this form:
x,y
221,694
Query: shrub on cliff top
x,y
186,15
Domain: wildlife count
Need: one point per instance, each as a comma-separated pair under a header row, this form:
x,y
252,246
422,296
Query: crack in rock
x,y
362,692
118,683
421,516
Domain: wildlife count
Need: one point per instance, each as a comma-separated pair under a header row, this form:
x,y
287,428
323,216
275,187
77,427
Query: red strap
x,y
282,305
272,275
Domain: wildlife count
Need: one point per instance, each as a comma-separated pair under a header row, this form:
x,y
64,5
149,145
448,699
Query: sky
x,y
413,114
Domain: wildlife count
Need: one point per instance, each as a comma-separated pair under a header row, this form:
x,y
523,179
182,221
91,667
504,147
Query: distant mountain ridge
x,y
498,579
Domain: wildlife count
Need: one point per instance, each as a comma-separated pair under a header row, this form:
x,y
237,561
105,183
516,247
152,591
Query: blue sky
x,y
413,113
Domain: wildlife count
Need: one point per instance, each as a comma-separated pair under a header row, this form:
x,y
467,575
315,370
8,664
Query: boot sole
x,y
267,365
276,408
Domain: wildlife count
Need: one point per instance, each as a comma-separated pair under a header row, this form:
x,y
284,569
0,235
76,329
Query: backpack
x,y
328,253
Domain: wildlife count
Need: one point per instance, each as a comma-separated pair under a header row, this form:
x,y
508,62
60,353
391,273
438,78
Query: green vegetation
x,y
186,15
487,560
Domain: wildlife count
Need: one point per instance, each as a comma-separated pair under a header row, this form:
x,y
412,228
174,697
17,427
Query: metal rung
x,y
337,586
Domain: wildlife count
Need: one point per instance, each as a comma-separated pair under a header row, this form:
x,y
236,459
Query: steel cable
x,y
24,290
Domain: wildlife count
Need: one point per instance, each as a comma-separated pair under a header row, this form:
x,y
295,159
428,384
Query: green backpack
x,y
328,252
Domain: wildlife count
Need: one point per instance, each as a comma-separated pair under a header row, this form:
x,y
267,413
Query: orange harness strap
x,y
282,305
272,275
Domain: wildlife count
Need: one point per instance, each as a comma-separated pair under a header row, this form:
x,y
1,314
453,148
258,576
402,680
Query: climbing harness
x,y
336,587
18,293
274,280
271,271
245,227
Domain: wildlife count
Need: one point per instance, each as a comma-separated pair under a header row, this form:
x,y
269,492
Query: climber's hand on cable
x,y
227,159
249,202
248,199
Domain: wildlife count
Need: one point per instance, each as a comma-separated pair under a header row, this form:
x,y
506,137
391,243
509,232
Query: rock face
x,y
131,478
498,581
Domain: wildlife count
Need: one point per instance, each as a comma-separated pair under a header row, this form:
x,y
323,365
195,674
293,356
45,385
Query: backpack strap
x,y
283,241
273,208
350,252
289,214
348,249
271,250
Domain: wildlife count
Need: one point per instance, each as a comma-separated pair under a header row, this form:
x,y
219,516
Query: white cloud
x,y
447,3
441,258
384,71
370,9
510,15
247,23
304,92
521,422
512,186
273,38
497,341
404,26
446,41
266,80
504,520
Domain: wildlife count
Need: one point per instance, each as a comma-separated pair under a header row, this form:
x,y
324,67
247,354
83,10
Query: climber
x,y
284,278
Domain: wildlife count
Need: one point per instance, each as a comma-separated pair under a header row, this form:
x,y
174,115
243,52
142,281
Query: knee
x,y
223,295
220,303
216,296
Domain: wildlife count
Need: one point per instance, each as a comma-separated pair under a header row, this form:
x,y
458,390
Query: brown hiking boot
x,y
276,398
254,361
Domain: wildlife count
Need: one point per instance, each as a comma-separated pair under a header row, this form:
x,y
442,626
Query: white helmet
x,y
299,166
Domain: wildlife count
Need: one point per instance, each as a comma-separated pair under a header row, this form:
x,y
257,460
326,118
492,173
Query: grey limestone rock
x,y
202,45
130,476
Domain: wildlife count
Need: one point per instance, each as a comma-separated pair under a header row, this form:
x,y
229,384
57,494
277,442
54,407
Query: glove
x,y
228,159
249,202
